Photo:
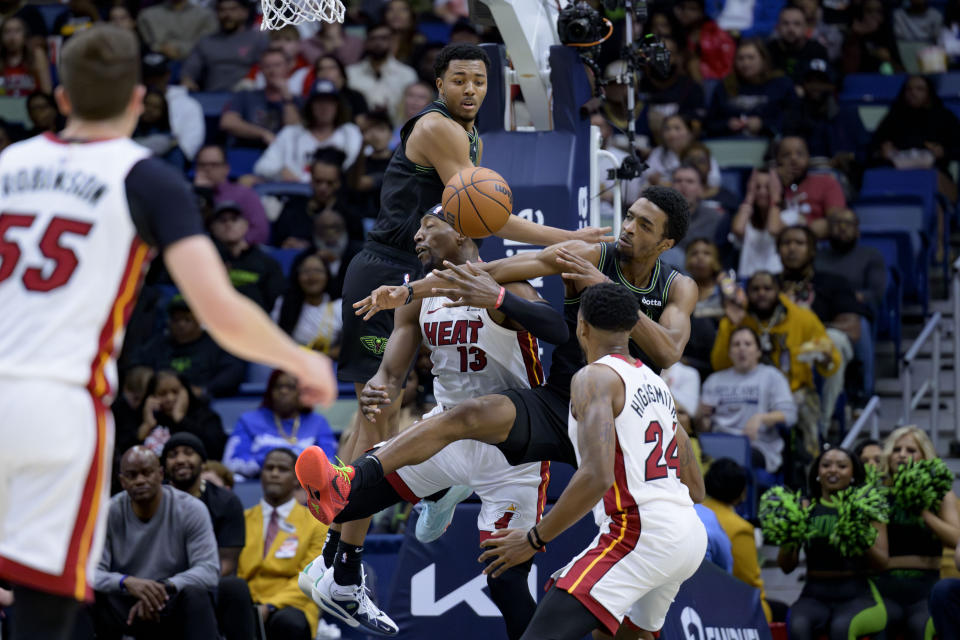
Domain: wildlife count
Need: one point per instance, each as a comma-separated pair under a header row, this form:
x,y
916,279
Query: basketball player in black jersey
x,y
434,145
531,424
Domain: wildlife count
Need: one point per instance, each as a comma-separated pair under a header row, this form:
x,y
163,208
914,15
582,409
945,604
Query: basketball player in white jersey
x,y
636,472
474,350
81,215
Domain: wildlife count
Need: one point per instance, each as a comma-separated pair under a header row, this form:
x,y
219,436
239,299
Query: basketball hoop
x,y
279,13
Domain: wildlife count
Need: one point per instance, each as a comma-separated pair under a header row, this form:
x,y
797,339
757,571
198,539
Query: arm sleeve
x,y
162,203
202,555
780,397
538,318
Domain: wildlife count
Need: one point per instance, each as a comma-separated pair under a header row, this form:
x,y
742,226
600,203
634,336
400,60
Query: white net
x,y
278,13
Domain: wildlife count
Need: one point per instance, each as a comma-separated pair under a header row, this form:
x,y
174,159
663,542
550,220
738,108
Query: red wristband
x,y
503,292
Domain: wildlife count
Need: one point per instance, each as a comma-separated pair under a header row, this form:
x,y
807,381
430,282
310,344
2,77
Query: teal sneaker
x,y
435,517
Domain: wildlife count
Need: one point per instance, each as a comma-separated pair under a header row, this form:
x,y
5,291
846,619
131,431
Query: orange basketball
x,y
477,201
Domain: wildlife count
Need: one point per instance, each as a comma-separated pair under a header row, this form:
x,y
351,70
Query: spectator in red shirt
x,y
809,196
25,68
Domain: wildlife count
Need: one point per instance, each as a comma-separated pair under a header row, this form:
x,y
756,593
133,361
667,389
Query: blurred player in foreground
x,y
83,212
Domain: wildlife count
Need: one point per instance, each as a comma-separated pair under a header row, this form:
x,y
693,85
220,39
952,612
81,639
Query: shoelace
x,y
342,470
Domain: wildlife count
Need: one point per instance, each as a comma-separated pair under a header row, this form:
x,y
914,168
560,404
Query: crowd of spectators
x,y
788,294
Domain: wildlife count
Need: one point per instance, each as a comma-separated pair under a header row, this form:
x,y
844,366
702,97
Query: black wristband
x,y
409,293
539,543
531,541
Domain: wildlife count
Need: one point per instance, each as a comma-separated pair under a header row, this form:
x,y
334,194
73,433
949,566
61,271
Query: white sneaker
x,y
327,631
310,575
435,517
352,605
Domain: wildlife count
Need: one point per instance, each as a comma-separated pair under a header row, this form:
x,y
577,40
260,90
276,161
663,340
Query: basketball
x,y
477,202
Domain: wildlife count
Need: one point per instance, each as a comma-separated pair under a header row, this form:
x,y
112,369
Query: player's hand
x,y
593,235
505,548
467,286
314,373
382,298
152,594
578,270
371,397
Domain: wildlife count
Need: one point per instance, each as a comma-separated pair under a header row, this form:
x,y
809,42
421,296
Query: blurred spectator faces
x,y
275,65
211,166
762,292
120,16
286,39
689,183
744,350
379,42
677,134
399,16
749,62
917,92
42,111
330,235
793,159
689,13
184,327
703,260
416,97
792,26
228,226
378,130
232,15
328,68
843,230
427,56
325,179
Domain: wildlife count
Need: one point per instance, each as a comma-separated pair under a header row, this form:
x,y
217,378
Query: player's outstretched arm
x,y
523,266
597,396
238,324
384,387
665,341
689,471
516,303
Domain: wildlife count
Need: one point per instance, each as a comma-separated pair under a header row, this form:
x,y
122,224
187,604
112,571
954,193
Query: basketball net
x,y
279,13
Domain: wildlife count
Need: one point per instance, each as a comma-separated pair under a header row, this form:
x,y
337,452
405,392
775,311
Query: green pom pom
x,y
783,518
921,485
858,507
873,476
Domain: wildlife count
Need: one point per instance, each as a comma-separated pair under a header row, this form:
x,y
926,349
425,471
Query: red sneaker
x,y
327,484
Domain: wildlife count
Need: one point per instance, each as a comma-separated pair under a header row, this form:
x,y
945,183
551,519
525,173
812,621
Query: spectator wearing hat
x,y
174,27
186,348
212,171
326,125
832,131
790,49
726,484
380,77
185,113
253,273
282,537
281,421
159,566
256,116
221,60
183,459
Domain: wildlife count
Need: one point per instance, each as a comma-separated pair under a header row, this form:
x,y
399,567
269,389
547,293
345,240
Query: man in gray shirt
x,y
749,399
159,566
862,267
221,60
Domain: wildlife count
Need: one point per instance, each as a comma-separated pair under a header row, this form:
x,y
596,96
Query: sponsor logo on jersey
x,y
374,344
693,629
651,302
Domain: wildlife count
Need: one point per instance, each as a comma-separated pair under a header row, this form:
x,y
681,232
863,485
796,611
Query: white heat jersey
x,y
71,259
646,462
474,356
